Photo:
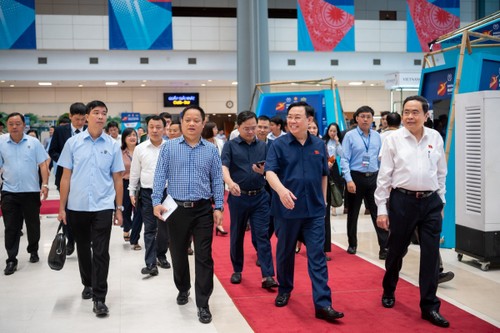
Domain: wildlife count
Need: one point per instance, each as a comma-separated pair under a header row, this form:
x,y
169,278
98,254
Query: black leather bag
x,y
57,254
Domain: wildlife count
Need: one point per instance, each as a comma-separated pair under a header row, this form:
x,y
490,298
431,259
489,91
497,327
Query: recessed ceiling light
x,y
143,85
355,83
80,85
209,80
372,84
44,83
12,86
234,83
111,83
3,81
203,84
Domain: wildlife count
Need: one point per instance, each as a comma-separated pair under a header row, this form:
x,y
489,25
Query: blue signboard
x,y
130,120
490,75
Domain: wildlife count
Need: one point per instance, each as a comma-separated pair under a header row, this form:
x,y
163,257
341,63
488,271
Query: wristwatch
x,y
120,208
221,209
45,185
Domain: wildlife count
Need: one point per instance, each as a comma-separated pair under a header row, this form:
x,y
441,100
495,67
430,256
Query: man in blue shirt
x,y
92,187
248,198
297,169
360,166
193,169
20,157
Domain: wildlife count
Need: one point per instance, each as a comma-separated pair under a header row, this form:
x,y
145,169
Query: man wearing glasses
x,y
360,166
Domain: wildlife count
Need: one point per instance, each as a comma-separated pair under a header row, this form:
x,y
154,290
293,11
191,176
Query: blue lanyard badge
x,y
365,162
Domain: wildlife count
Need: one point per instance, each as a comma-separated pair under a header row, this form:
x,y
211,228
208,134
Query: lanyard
x,y
367,145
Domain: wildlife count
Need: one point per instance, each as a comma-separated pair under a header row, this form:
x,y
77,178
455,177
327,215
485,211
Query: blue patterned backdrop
x,y
140,25
17,24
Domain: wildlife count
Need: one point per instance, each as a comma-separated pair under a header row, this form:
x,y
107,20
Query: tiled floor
x,y
37,299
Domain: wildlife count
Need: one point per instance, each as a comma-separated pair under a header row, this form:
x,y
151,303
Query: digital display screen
x,y
180,99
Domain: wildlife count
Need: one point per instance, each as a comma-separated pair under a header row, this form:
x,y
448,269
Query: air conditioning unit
x,y
477,181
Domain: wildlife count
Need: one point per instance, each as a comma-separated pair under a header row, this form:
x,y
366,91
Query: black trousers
x,y
156,238
198,222
365,189
92,231
405,214
17,207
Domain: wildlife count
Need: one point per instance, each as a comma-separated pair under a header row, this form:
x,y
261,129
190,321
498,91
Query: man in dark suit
x,y
61,134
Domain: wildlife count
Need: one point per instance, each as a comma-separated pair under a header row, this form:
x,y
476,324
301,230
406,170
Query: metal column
x,y
252,49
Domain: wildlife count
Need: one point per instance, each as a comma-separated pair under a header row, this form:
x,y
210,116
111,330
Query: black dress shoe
x,y
269,283
382,254
87,292
163,263
236,278
388,301
282,300
445,277
435,318
204,315
150,269
34,257
182,297
328,314
70,248
100,309
351,250
10,268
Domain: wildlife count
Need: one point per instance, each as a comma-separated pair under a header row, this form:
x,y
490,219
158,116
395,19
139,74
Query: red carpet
x,y
48,207
356,291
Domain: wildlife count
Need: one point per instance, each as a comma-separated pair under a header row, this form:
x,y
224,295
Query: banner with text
x,y
17,24
429,19
325,25
140,25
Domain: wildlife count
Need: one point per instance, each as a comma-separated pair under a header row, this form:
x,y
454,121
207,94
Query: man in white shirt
x,y
142,171
410,193
276,125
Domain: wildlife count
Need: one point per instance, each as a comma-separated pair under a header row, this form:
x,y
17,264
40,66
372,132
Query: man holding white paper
x,y
142,171
193,169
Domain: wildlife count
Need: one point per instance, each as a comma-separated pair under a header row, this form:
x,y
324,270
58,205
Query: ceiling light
x,y
203,84
111,83
3,81
80,85
44,83
12,86
234,83
372,84
209,80
356,83
143,85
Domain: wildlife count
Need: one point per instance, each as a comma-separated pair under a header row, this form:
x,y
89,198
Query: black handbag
x,y
57,254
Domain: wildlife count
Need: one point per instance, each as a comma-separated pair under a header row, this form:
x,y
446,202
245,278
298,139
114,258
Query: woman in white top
x,y
209,133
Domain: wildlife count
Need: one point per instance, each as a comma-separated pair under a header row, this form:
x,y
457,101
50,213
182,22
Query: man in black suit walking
x,y
61,134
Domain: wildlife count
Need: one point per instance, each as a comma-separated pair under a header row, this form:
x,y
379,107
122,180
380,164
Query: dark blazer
x,y
59,138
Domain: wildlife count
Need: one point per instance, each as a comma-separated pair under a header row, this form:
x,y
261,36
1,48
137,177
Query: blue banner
x,y
140,25
325,25
276,104
130,120
17,24
437,86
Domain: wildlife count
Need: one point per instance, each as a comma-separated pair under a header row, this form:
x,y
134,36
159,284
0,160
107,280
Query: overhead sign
x,y
402,80
180,99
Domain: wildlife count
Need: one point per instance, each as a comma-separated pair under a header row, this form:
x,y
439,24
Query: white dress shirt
x,y
143,166
412,165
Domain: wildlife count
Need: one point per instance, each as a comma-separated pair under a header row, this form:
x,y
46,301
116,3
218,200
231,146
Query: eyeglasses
x,y
249,129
